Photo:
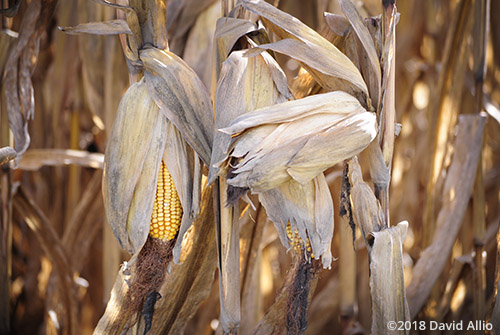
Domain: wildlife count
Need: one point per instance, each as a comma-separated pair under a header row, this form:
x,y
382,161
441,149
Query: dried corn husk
x,y
309,210
387,286
293,140
329,67
227,32
130,175
182,97
244,85
367,212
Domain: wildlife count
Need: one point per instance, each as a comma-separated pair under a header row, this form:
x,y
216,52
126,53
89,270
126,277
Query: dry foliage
x,y
277,121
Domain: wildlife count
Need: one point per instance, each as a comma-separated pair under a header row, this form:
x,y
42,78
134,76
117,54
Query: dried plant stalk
x,y
456,193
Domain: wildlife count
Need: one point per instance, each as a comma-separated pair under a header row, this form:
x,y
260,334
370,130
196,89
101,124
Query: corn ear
x,y
167,208
184,166
244,85
297,243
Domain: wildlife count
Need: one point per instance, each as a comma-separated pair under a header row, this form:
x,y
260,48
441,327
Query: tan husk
x,y
182,97
292,140
130,175
331,68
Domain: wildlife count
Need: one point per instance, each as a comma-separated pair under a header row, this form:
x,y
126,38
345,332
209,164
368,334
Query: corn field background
x,y
62,84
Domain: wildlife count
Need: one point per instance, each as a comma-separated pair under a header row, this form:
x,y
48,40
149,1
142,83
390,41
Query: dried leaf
x,y
112,27
17,79
201,37
7,154
372,73
337,23
34,159
456,193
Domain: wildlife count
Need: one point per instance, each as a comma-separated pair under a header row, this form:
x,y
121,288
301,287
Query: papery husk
x,y
387,286
366,209
245,84
181,162
329,67
130,175
293,140
182,97
227,32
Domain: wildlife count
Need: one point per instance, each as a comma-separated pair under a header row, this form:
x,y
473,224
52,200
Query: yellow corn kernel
x,y
167,208
297,241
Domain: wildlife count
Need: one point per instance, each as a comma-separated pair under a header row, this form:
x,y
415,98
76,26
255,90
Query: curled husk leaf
x,y
296,140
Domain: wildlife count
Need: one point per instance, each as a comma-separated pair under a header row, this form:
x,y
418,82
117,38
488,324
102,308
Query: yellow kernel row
x,y
296,240
167,208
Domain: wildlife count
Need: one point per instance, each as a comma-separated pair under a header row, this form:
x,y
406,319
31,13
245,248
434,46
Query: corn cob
x,y
167,209
296,240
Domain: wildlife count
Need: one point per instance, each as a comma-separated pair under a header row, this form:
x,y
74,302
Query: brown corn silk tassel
x,y
156,254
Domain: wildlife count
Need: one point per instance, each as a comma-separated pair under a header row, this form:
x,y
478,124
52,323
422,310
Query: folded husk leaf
x,y
130,175
387,286
182,97
293,139
227,32
330,67
178,157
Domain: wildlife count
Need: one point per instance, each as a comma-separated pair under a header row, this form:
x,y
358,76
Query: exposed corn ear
x,y
167,208
297,242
